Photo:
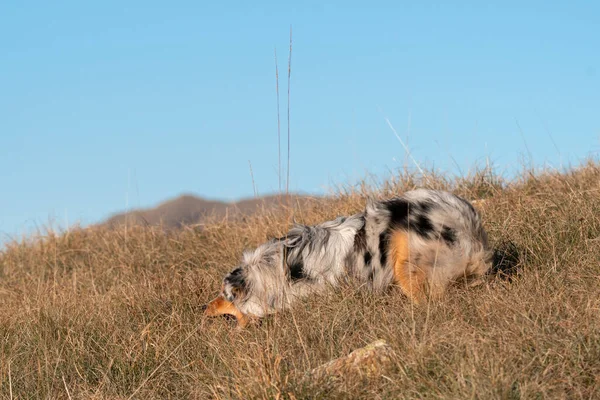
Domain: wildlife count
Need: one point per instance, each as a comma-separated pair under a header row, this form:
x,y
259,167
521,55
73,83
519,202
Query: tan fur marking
x,y
220,306
410,277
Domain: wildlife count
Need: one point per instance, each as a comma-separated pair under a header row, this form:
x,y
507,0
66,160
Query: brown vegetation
x,y
115,313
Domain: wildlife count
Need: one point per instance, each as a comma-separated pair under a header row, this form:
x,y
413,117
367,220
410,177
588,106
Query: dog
x,y
421,241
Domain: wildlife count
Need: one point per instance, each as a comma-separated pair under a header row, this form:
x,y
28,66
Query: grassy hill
x,y
188,210
115,313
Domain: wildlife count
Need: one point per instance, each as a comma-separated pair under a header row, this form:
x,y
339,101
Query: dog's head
x,y
233,291
256,287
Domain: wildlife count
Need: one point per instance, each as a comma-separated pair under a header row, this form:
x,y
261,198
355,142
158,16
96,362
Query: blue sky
x,y
109,105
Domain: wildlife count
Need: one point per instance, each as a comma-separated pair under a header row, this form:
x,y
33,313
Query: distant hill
x,y
189,209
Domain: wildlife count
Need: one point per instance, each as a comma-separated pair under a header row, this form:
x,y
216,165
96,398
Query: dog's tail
x,y
506,260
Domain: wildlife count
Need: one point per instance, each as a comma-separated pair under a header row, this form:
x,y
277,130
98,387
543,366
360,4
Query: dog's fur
x,y
422,241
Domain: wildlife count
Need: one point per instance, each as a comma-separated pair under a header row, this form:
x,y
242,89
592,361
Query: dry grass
x,y
114,314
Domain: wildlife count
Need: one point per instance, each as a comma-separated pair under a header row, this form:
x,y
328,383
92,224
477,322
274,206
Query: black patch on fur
x,y
236,278
360,240
367,258
297,271
296,267
398,209
383,246
424,206
422,225
419,222
449,235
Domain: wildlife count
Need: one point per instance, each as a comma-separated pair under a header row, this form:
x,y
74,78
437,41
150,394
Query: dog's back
x,y
422,241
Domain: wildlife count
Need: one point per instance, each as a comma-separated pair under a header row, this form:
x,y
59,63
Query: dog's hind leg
x,y
411,279
413,282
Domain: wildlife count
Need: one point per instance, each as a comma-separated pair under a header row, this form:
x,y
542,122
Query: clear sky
x,y
113,104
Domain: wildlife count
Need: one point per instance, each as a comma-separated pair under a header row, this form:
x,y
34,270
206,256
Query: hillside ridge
x,y
189,209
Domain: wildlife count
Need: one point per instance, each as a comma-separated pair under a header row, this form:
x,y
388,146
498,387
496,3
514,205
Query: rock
x,y
369,361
